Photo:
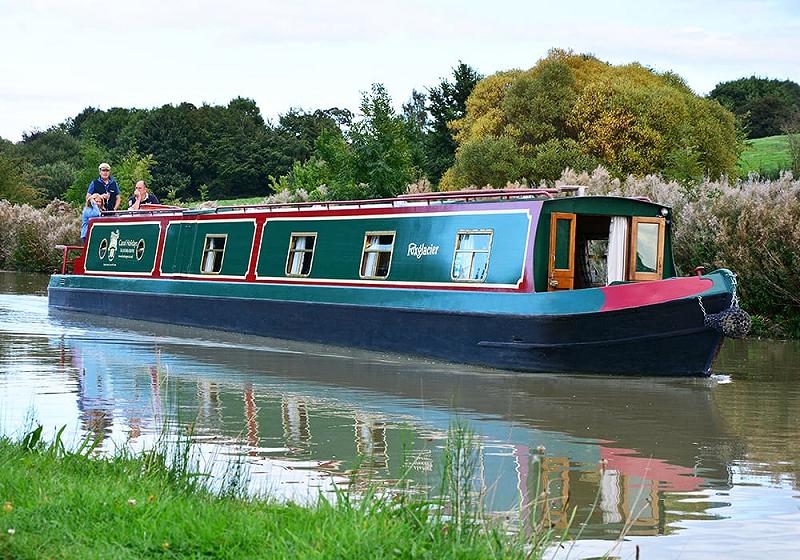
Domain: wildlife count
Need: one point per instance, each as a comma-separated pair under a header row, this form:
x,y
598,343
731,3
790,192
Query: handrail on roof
x,y
402,200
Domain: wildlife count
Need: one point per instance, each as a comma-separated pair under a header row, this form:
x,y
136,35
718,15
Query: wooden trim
x,y
659,273
564,278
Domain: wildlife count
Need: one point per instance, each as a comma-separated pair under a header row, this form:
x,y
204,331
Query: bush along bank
x,y
28,235
60,503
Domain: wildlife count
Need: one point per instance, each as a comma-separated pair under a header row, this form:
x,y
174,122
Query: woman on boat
x,y
91,210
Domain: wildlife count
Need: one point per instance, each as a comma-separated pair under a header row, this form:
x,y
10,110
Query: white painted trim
x,y
189,275
93,272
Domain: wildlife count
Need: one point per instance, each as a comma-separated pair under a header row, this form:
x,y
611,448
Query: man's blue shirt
x,y
99,187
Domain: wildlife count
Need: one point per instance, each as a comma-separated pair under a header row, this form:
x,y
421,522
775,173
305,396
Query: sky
x,y
57,57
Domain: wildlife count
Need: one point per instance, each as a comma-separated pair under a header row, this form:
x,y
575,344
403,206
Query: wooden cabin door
x,y
561,268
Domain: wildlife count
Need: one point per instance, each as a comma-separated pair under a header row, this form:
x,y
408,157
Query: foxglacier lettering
x,y
422,250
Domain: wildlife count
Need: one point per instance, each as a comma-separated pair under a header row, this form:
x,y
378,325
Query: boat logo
x,y
140,250
422,250
109,246
112,245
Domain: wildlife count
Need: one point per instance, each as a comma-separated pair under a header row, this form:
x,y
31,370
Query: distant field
x,y
766,156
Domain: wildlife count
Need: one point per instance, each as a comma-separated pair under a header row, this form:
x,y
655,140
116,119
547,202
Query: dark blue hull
x,y
664,339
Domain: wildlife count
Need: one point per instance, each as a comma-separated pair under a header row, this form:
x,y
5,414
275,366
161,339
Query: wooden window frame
x,y
206,250
365,252
291,252
633,275
561,278
456,251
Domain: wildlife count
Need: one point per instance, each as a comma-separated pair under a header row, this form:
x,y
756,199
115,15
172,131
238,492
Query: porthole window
x,y
471,258
376,259
213,253
301,254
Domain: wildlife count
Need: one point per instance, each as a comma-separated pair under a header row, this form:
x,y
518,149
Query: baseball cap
x,y
104,166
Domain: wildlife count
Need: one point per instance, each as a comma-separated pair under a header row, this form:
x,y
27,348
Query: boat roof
x,y
406,200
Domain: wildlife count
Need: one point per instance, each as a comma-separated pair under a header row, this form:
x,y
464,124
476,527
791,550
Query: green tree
x,y
131,169
169,134
763,105
538,103
447,102
486,160
415,117
575,111
50,146
52,158
373,160
14,180
380,152
113,129
92,155
302,129
52,180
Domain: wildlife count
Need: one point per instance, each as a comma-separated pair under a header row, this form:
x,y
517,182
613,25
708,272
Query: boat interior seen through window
x,y
377,257
589,251
301,254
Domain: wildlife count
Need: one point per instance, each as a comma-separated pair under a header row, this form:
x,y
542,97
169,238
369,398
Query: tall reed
x,y
28,235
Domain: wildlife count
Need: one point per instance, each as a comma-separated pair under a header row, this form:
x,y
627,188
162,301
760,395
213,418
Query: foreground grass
x,y
766,156
57,504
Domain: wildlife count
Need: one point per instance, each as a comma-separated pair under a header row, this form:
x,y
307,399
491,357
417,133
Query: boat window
x,y
471,259
213,252
301,253
377,257
647,248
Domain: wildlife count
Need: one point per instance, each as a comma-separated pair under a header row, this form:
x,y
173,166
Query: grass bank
x,y
56,503
766,156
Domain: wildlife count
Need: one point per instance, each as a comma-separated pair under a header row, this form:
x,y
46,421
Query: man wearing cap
x,y
106,186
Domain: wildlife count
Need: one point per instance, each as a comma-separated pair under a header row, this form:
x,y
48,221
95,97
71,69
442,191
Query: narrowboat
x,y
536,280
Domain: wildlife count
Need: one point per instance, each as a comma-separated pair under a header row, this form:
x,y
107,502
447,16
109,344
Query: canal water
x,y
680,468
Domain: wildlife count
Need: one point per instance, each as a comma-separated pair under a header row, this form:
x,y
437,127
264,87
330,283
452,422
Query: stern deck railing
x,y
66,261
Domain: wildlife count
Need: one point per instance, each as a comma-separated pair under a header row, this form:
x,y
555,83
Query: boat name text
x,y
422,250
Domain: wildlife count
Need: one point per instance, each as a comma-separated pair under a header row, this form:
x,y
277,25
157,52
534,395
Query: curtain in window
x,y
208,265
297,255
371,260
617,243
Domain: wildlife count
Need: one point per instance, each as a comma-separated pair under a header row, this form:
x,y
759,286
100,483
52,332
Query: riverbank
x,y
56,503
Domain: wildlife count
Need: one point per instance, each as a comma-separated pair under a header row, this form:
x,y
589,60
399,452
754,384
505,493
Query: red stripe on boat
x,y
648,293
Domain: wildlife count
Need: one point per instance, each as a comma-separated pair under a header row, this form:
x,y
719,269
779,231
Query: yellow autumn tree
x,y
573,110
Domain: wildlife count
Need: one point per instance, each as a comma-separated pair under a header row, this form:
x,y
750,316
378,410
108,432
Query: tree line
x,y
521,126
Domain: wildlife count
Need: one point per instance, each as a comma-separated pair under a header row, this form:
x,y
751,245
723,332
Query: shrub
x,y
30,235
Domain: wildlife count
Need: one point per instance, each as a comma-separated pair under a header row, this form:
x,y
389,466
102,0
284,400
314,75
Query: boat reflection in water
x,y
304,419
